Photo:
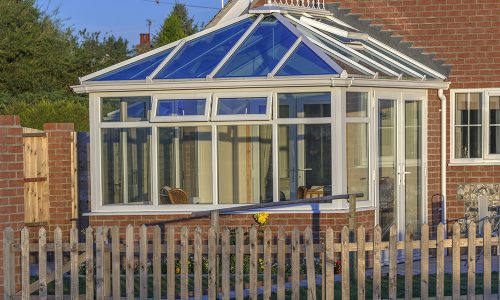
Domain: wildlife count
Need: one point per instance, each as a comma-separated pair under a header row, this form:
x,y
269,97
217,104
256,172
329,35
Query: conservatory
x,y
282,103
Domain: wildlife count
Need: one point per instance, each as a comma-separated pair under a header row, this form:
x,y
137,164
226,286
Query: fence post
x,y
8,263
214,223
352,237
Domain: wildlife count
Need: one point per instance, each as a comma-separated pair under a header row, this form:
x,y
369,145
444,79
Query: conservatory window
x,y
179,108
304,62
304,150
185,165
245,167
125,158
127,109
357,137
468,125
252,107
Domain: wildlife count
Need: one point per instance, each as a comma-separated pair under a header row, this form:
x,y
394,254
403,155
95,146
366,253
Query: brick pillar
x,y
11,182
60,138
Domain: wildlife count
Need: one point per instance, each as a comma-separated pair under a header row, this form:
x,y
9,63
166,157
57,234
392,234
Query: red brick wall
x,y
11,181
318,222
60,137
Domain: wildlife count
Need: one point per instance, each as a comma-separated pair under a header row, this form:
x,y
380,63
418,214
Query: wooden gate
x,y
36,185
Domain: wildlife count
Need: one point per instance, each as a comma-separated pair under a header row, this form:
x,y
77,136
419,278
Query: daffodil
x,y
261,218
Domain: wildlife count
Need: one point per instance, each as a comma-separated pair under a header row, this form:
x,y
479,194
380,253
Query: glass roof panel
x,y
199,57
138,70
261,51
305,62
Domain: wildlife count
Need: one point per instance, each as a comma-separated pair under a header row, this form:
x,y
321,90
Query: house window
x,y
357,134
476,126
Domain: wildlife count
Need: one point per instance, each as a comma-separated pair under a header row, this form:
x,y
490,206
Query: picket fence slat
x,y
42,263
329,266
225,263
58,263
440,263
361,262
115,258
392,263
198,261
311,272
253,263
424,262
75,272
89,263
295,264
129,271
184,263
267,263
471,262
239,263
281,264
171,263
377,269
185,255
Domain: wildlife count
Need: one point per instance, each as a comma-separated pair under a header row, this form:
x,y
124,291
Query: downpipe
x,y
442,97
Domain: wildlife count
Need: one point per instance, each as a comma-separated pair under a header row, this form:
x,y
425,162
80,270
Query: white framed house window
x,y
475,126
247,107
181,107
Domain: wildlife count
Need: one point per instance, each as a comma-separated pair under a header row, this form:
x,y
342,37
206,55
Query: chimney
x,y
145,42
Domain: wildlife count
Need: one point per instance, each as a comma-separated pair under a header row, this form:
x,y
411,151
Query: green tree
x,y
176,26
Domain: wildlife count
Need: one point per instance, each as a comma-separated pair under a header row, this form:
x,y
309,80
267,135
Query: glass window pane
x,y
475,106
461,142
475,142
305,62
304,105
261,51
242,106
185,165
495,140
304,161
494,110
357,159
199,57
126,166
461,109
356,104
136,71
136,108
245,164
184,107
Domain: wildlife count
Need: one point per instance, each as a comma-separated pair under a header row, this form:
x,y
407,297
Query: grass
x,y
303,291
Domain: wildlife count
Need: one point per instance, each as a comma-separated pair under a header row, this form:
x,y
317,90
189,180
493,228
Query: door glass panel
x,y
304,161
185,165
387,164
413,164
245,164
358,168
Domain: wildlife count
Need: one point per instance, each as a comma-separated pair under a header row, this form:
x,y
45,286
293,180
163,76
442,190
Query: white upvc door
x,y
400,165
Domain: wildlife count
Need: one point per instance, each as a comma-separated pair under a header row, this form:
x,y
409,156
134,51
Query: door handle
x,y
306,169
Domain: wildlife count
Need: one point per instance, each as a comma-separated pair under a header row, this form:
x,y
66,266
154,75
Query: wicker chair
x,y
178,196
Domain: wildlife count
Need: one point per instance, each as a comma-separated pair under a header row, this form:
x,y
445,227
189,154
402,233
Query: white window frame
x,y
486,159
191,118
242,117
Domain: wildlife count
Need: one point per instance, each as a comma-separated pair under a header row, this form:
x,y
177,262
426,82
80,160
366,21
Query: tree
x,y
176,26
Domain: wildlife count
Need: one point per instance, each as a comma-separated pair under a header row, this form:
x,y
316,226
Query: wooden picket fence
x,y
280,264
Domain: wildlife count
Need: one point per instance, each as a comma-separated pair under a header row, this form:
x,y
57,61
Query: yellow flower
x,y
261,218
177,270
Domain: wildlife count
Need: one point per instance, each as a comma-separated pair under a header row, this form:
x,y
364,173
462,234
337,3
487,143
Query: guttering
x,y
180,85
442,97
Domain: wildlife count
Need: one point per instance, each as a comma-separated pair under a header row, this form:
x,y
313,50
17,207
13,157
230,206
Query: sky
x,y
125,18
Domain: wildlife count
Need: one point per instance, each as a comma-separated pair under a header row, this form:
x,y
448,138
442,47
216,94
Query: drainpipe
x,y
442,97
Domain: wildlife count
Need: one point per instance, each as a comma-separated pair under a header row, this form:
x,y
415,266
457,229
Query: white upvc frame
x,y
487,158
241,96
200,96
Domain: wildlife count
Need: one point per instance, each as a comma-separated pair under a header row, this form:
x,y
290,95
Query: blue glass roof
x,y
136,71
199,57
305,62
261,52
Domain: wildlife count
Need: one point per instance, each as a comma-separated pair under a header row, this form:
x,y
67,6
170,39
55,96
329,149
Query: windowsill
x,y
482,162
301,209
